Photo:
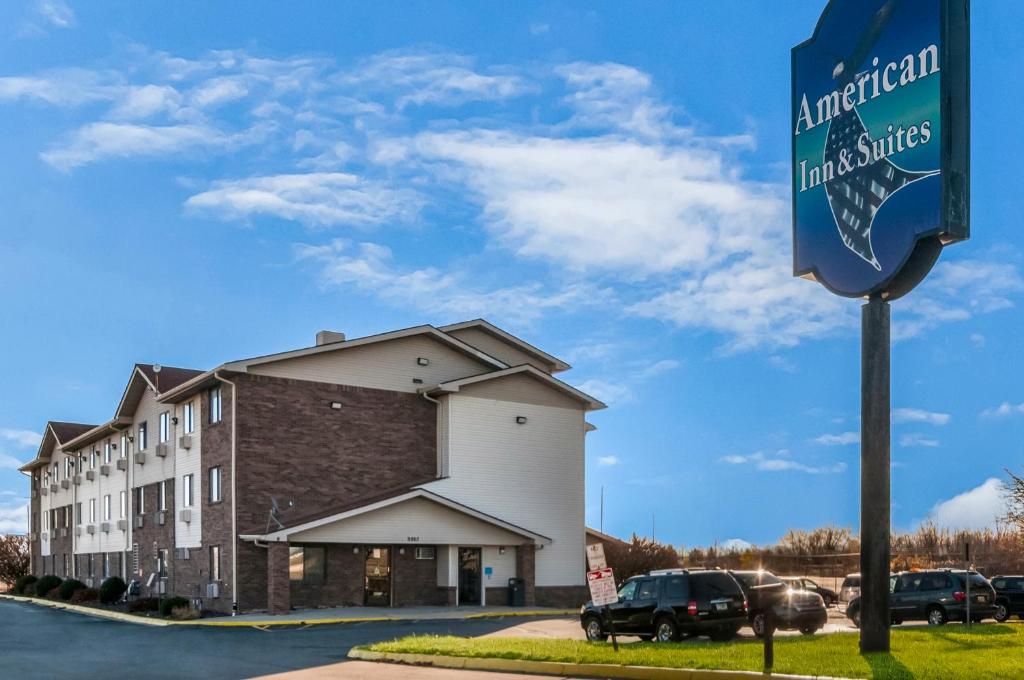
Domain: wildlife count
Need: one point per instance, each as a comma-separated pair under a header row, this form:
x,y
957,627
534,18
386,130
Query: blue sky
x,y
188,183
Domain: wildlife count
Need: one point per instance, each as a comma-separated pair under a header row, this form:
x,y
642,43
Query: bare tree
x,y
1015,502
14,558
640,556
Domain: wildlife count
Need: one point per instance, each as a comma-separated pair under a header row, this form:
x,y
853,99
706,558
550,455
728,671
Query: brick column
x,y
278,595
526,567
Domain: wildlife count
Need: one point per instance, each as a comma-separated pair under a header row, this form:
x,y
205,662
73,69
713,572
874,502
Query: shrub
x,y
85,595
185,613
143,604
68,588
172,603
112,589
46,584
53,594
22,585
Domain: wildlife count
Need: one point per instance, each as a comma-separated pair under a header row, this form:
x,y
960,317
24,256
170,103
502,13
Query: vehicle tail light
x,y
959,596
746,607
691,608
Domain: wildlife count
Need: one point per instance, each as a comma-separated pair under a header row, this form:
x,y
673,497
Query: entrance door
x,y
469,576
378,577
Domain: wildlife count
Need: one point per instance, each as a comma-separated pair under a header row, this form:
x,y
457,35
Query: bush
x,y
53,594
85,595
143,604
68,588
46,584
112,589
185,613
24,584
173,603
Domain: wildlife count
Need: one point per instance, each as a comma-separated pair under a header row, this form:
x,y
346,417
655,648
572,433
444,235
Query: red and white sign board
x,y
602,587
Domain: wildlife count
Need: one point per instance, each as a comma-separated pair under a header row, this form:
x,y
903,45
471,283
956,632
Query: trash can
x,y
516,592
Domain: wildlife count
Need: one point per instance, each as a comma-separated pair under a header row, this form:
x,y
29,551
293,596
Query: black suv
x,y
667,604
935,596
792,609
1009,597
830,596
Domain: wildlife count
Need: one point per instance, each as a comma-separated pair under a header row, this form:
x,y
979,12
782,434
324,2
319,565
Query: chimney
x,y
327,337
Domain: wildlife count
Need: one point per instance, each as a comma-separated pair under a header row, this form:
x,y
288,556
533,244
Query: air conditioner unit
x,y
162,450
181,553
140,458
54,487
212,590
45,536
426,553
64,532
91,529
105,470
90,582
185,441
161,517
185,515
105,527
78,531
35,492
77,479
122,463
90,475
64,484
161,587
140,522
45,491
122,525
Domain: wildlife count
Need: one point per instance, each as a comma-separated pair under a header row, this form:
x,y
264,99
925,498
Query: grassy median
x,y
946,653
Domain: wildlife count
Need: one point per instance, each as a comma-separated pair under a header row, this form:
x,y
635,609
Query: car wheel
x,y
808,630
854,615
665,630
937,616
592,627
1002,613
724,635
760,624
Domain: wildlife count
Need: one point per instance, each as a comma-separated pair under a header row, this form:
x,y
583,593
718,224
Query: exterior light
x,y
401,551
423,361
174,420
355,550
417,381
336,405
501,550
521,420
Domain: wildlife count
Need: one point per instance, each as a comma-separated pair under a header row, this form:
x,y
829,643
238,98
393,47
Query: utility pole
x,y
602,510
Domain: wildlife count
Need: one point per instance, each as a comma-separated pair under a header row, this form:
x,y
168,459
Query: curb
x,y
260,623
569,670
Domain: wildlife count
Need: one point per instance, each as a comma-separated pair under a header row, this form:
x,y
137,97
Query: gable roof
x,y
555,363
451,386
56,433
145,376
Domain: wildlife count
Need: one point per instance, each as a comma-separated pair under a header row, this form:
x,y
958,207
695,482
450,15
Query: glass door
x,y
469,576
378,577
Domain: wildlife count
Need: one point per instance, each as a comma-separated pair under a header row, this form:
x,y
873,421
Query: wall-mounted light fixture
x,y
401,551
355,550
114,446
521,420
336,405
501,550
423,361
417,381
131,438
174,420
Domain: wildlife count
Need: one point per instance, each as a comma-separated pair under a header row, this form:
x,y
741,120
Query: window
x,y
93,458
140,500
215,485
124,504
106,564
165,427
106,508
934,582
188,417
89,563
214,562
627,591
141,440
92,511
648,590
161,562
161,496
106,451
215,405
186,491
676,588
124,445
78,513
307,564
56,473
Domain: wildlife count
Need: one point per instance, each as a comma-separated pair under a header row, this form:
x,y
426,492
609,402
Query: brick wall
x,y
61,545
216,517
414,582
343,584
278,592
526,569
152,536
562,597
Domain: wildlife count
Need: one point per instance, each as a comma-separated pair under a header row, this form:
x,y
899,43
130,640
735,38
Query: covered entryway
x,y
469,576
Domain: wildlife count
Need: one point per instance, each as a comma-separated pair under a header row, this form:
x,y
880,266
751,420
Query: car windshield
x,y
851,582
627,590
977,580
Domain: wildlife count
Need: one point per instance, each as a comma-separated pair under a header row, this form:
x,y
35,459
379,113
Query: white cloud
x,y
735,544
608,461
22,437
781,463
539,28
658,367
316,199
63,87
217,91
14,519
977,339
841,439
608,392
1003,410
915,440
56,13
977,508
147,100
916,415
9,462
369,267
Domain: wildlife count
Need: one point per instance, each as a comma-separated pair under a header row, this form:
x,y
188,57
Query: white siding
x,y
155,468
447,566
497,348
387,365
530,475
522,388
115,540
428,522
503,567
187,461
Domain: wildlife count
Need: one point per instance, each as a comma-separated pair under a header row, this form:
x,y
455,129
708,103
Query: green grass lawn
x,y
943,653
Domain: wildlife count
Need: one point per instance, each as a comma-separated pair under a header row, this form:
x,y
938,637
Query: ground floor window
x,y
161,563
106,564
214,562
307,564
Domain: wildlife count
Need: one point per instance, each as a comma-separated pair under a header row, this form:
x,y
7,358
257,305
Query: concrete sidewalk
x,y
361,614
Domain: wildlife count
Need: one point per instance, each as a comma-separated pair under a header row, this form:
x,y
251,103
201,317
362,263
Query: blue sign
x,y
880,143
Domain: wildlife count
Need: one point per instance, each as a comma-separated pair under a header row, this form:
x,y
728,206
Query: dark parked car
x,y
1009,597
803,583
935,596
767,595
665,605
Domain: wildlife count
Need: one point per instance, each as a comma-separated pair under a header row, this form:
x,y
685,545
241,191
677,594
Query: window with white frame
x,y
106,508
93,458
106,565
188,417
215,403
186,491
106,451
214,485
165,427
56,473
92,511
140,440
124,445
214,562
124,504
140,500
78,513
161,496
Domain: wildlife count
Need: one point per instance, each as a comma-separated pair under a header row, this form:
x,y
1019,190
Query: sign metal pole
x,y
874,476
